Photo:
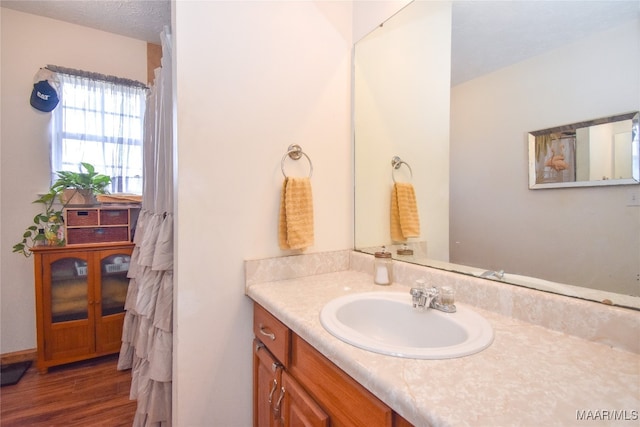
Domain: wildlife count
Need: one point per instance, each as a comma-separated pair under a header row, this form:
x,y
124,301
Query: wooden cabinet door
x,y
111,284
298,408
66,314
346,401
267,387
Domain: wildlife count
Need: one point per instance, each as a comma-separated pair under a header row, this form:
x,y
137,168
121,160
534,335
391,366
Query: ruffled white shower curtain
x,y
147,335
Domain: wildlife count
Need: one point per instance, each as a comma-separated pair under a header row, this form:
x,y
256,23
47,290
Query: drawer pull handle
x,y
276,410
267,334
274,386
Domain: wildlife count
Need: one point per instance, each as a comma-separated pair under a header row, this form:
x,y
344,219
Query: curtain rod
x,y
97,76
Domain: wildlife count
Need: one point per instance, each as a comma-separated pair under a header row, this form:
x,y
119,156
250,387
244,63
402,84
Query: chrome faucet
x,y
490,274
423,297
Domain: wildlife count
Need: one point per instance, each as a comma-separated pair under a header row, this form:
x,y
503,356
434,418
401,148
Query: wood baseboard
x,y
19,356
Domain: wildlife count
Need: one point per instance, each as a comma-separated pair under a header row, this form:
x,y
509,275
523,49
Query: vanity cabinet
x,y
301,387
80,294
278,400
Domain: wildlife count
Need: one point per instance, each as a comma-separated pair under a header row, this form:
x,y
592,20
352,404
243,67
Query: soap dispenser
x,y
382,267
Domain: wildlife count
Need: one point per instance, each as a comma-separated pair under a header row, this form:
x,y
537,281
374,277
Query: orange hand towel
x,y
295,230
405,221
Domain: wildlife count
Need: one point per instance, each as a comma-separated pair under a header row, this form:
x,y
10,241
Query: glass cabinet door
x,y
69,290
114,283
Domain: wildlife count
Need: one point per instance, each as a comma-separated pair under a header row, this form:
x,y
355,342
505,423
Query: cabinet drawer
x,y
114,217
346,401
82,217
76,236
273,333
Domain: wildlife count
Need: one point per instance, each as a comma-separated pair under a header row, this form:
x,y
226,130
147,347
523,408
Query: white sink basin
x,y
386,322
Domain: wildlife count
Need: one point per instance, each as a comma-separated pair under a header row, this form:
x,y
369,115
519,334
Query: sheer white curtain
x,y
100,122
147,335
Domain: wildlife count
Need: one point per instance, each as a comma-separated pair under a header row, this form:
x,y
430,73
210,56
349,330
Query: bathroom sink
x,y
386,323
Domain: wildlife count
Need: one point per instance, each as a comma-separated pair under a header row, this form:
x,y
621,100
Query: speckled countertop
x,y
529,376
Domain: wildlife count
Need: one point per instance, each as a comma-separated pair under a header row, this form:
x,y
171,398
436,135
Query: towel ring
x,y
295,152
396,162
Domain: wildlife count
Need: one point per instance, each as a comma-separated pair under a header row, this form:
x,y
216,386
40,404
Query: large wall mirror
x,y
454,89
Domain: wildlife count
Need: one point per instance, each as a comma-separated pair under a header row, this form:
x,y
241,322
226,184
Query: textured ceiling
x,y
487,35
138,19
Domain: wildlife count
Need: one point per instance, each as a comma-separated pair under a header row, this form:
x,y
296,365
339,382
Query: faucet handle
x,y
416,295
446,296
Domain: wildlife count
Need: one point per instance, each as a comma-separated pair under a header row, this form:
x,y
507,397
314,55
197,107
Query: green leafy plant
x,y
47,225
89,180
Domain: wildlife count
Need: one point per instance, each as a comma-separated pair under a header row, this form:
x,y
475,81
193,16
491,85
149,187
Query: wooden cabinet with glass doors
x,y
80,295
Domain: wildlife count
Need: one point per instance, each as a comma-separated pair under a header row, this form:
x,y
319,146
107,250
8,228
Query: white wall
x,y
252,78
571,235
29,42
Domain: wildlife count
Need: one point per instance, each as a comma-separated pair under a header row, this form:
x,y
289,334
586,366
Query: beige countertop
x,y
529,376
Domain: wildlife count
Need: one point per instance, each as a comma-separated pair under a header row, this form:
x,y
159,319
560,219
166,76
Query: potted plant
x,y
80,188
47,228
71,188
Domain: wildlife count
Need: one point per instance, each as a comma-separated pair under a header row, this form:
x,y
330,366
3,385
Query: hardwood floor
x,y
89,393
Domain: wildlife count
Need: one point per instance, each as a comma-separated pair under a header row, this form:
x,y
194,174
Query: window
x,y
101,123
